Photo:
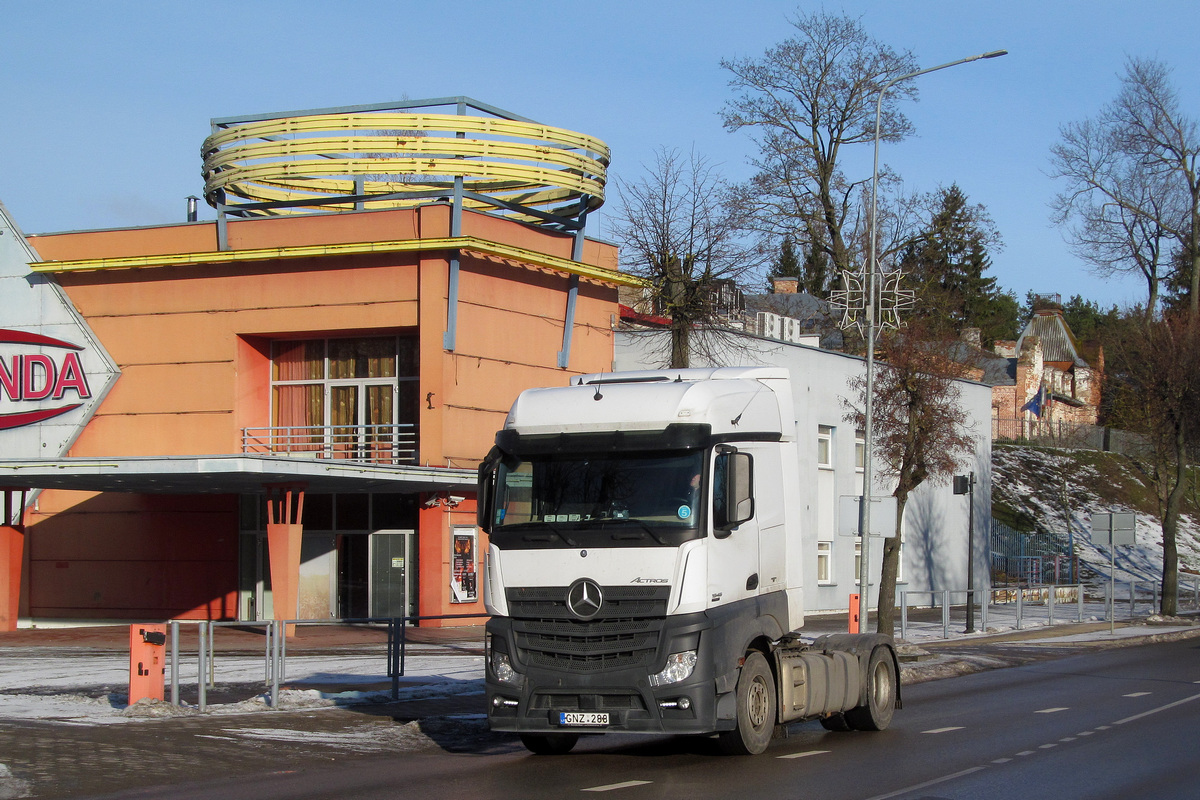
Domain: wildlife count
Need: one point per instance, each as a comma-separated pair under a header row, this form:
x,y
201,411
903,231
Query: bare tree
x,y
920,431
676,230
1154,369
802,102
1132,181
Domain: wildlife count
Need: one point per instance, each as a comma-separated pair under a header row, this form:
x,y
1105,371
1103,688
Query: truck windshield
x,y
606,499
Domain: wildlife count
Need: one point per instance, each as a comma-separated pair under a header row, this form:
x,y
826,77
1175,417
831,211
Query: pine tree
x,y
786,265
946,267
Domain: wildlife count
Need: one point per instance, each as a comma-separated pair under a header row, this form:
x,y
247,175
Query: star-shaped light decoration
x,y
852,299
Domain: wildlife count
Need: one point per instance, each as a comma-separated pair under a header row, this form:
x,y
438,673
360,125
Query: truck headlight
x,y
679,667
501,666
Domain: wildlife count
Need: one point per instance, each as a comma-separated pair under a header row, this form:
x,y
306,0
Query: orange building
x,y
307,383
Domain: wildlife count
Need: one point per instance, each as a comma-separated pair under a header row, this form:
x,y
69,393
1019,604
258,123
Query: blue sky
x,y
105,105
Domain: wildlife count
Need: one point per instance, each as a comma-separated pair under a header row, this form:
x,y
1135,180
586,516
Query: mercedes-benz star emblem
x,y
584,598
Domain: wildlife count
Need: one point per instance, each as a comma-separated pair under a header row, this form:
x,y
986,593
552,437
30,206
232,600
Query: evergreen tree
x,y
1178,284
786,265
946,267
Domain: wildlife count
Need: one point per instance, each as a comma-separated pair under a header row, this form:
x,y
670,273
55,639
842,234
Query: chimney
x,y
192,216
786,285
970,336
1005,348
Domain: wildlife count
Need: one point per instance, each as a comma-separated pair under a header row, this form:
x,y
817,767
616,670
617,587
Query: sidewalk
x,y
81,674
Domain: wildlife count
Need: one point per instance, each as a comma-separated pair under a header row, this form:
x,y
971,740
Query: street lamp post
x,y
864,518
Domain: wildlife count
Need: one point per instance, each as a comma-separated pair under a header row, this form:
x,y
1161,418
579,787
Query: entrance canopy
x,y
228,474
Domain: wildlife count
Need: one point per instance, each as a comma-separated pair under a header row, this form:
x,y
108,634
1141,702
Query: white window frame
x,y
825,442
825,563
860,451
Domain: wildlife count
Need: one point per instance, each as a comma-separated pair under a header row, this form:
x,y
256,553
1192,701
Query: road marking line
x,y
805,753
1085,733
1026,752
613,786
1067,739
1001,760
944,730
1136,694
926,784
1156,710
1052,710
1047,746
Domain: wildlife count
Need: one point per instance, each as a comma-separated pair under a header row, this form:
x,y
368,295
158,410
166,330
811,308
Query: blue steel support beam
x,y
449,338
564,355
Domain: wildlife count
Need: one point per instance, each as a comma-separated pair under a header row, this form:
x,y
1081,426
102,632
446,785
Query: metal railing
x,y
379,444
275,651
1067,434
1018,605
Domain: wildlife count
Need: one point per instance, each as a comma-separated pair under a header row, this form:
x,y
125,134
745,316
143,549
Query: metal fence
x,y
1019,606
1068,435
378,444
1029,557
275,651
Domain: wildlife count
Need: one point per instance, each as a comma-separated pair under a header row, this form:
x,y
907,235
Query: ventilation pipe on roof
x,y
192,200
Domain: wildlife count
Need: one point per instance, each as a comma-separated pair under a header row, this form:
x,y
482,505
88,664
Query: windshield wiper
x,y
532,532
653,533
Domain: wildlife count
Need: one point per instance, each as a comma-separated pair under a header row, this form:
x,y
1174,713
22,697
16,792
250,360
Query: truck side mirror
x,y
487,490
733,491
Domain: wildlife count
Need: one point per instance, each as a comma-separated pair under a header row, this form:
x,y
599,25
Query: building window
x,y
825,446
858,563
346,398
860,451
824,559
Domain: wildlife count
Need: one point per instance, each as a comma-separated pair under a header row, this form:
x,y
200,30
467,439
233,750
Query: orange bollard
x,y
854,613
147,644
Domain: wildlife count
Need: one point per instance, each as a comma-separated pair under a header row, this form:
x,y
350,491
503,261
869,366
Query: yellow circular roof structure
x,y
402,155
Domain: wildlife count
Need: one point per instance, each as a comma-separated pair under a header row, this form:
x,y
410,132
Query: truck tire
x,y
755,709
876,713
549,744
836,722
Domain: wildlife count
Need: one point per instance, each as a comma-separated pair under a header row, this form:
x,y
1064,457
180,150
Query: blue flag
x,y
1037,403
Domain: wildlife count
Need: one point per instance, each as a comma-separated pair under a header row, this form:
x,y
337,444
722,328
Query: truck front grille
x,y
625,632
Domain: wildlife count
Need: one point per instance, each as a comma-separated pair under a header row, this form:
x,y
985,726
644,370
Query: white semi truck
x,y
645,572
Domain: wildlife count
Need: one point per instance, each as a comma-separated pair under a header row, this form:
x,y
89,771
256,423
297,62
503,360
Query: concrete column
x,y
285,533
12,551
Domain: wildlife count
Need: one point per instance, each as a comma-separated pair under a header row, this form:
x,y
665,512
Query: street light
x,y
864,517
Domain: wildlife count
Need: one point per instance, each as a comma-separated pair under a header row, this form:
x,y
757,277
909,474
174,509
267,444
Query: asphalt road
x,y
1116,723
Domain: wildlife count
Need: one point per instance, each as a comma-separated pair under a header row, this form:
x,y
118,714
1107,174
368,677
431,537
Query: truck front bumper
x,y
561,699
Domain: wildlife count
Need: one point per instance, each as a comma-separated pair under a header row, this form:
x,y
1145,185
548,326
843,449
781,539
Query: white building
x,y
935,530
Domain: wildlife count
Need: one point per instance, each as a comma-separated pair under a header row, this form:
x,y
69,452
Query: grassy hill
x,y
1048,489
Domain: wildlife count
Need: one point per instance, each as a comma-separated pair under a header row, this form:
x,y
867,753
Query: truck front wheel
x,y
876,713
549,744
755,709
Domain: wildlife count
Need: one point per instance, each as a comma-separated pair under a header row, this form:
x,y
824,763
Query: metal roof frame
x,y
228,474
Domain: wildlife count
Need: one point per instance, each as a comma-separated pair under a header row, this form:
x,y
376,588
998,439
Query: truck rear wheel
x,y
755,709
876,713
549,744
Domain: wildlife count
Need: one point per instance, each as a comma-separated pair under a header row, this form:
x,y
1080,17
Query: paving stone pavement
x,y
47,759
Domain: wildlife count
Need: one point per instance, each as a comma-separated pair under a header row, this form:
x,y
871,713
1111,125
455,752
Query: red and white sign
x,y
54,372
28,375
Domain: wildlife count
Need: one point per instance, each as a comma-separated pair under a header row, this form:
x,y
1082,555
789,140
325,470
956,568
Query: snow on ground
x,y
92,688
1033,480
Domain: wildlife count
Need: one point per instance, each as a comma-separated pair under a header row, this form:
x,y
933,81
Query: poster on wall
x,y
463,583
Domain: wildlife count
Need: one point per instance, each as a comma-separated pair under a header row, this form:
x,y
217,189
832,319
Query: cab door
x,y
733,564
